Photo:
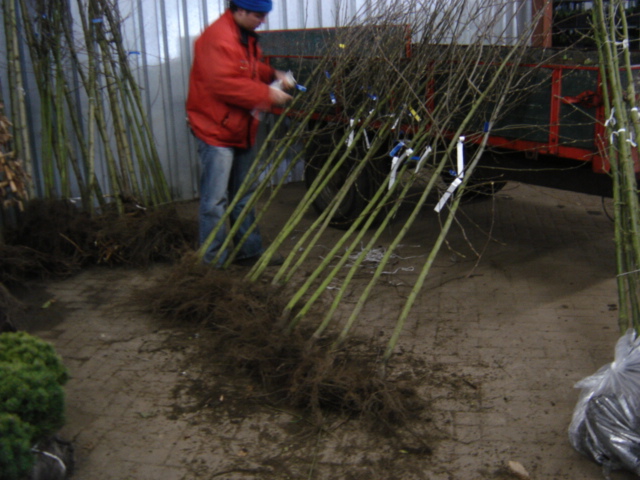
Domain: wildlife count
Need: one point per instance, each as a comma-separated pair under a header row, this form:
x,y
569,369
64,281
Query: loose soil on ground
x,y
520,305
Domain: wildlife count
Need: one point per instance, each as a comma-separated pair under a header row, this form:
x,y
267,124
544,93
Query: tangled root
x,y
19,263
291,370
55,238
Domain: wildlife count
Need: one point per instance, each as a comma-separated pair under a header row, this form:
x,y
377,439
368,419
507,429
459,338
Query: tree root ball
x,y
289,368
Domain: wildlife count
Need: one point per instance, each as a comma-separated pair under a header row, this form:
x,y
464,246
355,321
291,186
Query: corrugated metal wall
x,y
159,35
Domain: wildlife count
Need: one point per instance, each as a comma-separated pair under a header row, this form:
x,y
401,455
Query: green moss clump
x,y
33,394
20,347
16,458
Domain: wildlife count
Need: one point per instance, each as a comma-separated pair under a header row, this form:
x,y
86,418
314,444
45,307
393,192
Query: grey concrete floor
x,y
500,341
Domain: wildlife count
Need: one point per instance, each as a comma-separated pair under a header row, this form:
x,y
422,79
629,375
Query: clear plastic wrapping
x,y
606,421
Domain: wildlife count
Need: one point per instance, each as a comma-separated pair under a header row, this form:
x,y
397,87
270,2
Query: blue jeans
x,y
223,171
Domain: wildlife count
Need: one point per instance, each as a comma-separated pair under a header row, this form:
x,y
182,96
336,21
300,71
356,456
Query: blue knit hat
x,y
263,6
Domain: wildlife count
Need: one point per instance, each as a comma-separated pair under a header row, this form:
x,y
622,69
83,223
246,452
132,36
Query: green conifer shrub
x,y
20,347
33,394
16,458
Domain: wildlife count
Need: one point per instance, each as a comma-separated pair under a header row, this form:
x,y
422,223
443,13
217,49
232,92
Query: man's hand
x,y
278,97
287,79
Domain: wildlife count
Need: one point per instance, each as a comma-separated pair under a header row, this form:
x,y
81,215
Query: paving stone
x,y
506,336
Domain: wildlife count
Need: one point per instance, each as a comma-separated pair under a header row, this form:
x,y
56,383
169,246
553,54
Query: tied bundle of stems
x,y
623,130
373,89
95,136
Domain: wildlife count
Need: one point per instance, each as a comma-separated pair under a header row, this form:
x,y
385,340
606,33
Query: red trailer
x,y
555,137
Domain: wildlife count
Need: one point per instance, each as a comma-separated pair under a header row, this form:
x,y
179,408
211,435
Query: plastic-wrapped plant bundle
x,y
606,419
53,460
614,438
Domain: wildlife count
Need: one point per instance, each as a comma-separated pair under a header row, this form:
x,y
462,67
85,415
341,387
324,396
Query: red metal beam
x,y
543,11
554,114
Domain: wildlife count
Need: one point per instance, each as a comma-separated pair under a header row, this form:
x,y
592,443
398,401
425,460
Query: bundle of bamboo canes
x,y
89,103
623,125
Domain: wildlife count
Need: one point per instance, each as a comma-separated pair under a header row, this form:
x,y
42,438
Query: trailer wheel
x,y
357,196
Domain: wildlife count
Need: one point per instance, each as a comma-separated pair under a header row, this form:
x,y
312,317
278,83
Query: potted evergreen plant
x,y
32,404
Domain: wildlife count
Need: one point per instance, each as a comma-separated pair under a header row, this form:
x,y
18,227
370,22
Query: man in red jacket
x,y
228,85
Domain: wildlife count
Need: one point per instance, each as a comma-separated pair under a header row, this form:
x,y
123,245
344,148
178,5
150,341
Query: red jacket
x,y
228,82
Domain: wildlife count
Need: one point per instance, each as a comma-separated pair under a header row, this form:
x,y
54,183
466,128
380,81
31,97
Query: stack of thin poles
x,y
94,139
623,127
